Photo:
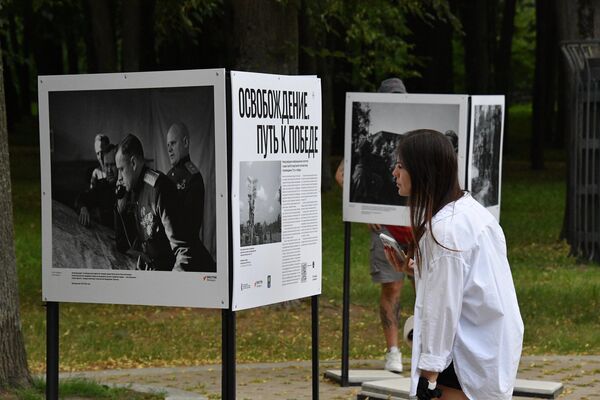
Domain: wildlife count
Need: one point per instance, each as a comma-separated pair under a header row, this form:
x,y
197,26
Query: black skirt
x,y
448,378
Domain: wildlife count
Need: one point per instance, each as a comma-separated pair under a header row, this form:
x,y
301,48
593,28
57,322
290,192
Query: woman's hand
x,y
339,174
374,227
410,267
395,261
84,216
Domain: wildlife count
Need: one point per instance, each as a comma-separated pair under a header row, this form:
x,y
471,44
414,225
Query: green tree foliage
x,y
371,37
523,59
178,20
184,18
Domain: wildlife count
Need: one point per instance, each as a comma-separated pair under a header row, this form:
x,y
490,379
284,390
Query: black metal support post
x,y
227,315
52,350
315,347
346,307
228,360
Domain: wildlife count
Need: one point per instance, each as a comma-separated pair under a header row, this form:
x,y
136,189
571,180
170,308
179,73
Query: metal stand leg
x,y
315,347
346,307
52,350
228,355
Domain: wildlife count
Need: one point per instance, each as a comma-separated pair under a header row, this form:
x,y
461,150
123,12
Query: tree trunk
x,y
148,36
476,23
492,45
432,45
72,40
179,49
91,64
47,45
13,359
216,50
12,98
138,35
103,35
544,85
267,36
322,67
24,72
503,59
132,35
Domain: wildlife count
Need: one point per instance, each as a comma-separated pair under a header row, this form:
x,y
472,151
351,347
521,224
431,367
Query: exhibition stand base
x,y
356,377
394,389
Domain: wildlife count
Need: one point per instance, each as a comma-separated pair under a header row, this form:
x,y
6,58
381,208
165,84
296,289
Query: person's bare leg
x,y
389,311
452,394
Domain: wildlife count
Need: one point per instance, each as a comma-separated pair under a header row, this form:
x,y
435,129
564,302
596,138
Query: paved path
x,y
292,380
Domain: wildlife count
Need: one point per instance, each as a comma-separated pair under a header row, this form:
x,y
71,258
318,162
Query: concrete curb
x,y
170,393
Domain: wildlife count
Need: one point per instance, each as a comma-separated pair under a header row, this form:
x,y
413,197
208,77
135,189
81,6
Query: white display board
x,y
485,151
82,262
276,188
373,125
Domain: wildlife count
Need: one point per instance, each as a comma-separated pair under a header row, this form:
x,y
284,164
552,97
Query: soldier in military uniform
x,y
98,201
190,188
102,145
149,223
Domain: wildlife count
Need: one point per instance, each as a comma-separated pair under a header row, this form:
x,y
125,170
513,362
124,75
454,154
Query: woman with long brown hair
x,y
468,330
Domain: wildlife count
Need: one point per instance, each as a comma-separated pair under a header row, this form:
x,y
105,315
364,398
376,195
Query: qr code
x,y
303,272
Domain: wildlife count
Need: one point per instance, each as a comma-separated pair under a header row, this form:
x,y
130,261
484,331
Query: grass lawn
x,y
78,389
559,297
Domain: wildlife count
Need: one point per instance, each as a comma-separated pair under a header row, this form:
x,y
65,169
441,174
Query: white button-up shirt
x,y
466,308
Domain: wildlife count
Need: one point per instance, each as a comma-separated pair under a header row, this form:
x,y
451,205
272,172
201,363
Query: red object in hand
x,y
402,234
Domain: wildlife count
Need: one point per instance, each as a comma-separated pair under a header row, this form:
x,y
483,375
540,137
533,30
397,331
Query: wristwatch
x,y
427,390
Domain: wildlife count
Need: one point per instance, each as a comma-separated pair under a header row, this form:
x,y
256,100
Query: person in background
x,y
468,331
382,272
102,145
190,189
98,201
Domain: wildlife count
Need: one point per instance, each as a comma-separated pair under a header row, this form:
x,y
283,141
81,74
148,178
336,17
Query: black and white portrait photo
x,y
485,156
133,179
134,188
377,129
375,123
260,202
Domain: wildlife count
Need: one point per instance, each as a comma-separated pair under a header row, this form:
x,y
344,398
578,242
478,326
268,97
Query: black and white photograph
x,y
374,129
260,203
133,179
486,150
373,160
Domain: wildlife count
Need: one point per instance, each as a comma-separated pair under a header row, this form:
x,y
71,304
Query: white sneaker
x,y
393,361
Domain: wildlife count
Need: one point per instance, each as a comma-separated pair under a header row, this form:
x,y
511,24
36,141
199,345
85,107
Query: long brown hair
x,y
430,160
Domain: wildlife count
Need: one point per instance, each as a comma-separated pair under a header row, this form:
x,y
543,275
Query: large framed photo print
x,y
134,173
276,188
485,151
375,122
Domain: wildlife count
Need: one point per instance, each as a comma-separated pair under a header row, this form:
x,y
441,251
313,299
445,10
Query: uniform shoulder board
x,y
191,167
150,177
